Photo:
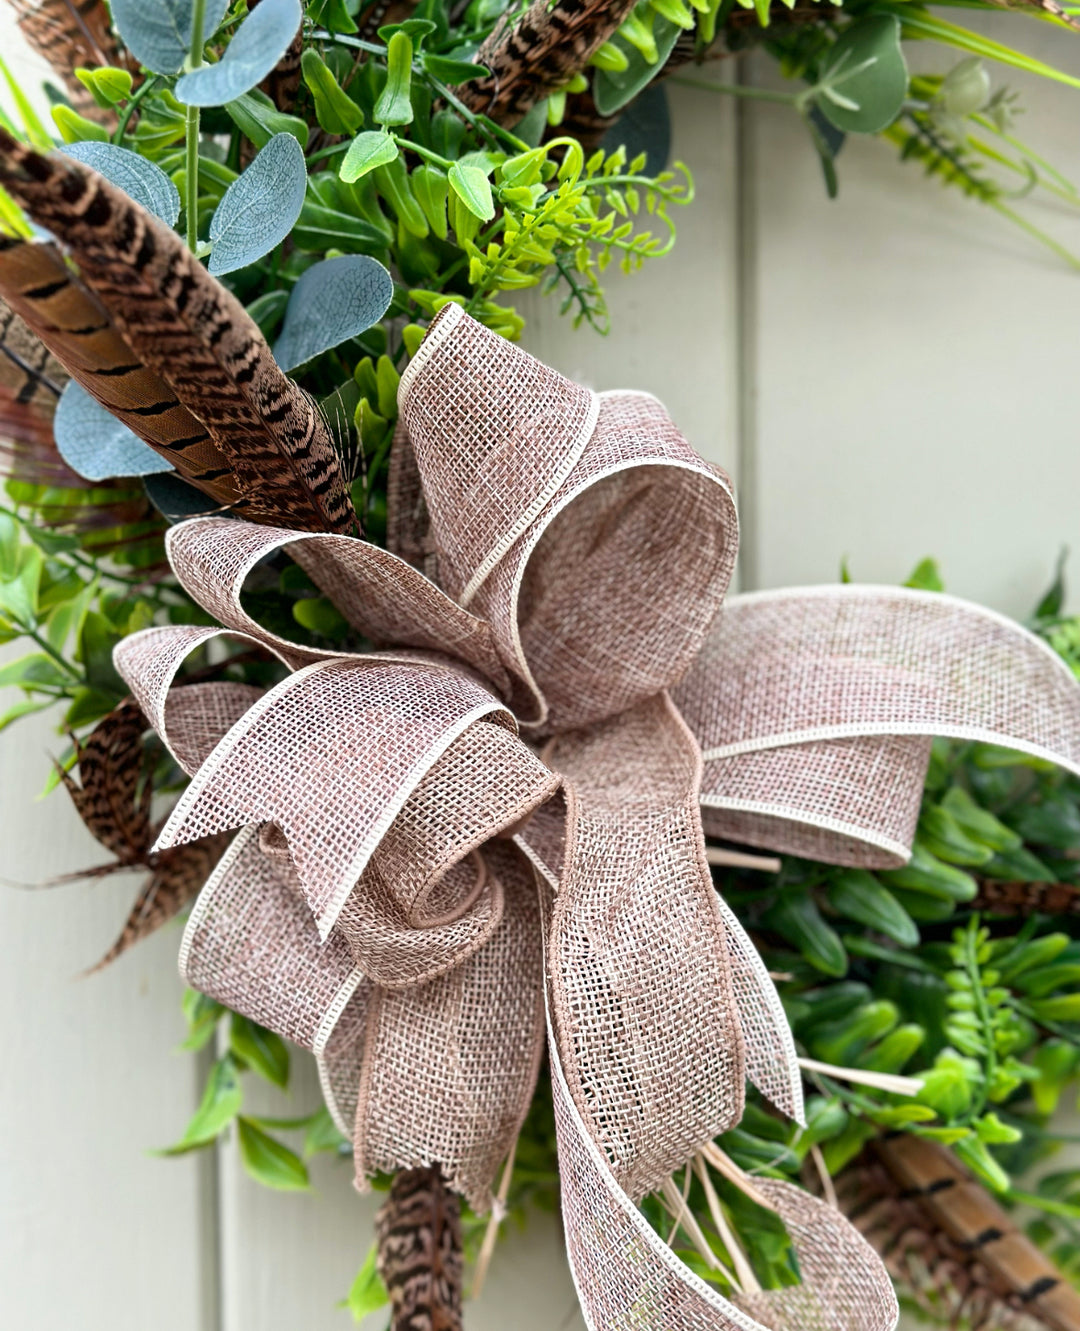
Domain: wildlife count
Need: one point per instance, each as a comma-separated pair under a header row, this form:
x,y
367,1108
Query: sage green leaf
x,y
140,179
470,183
94,443
268,1161
220,1104
257,46
260,207
368,150
865,79
334,300
158,32
613,88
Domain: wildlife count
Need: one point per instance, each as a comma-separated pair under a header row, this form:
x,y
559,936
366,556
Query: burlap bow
x,y
561,558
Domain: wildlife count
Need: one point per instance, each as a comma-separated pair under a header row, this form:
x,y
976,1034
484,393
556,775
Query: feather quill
x,y
190,332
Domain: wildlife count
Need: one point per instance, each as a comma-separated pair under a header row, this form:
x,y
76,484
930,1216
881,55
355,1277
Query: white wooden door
x,y
885,376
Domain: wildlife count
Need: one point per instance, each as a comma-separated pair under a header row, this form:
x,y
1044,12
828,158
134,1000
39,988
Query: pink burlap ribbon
x,y
560,559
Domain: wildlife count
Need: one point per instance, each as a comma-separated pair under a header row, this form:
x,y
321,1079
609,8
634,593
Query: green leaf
x,y
256,47
158,32
368,150
367,1293
108,86
795,916
924,872
220,1104
268,1161
1053,599
394,104
470,184
202,1015
262,1050
613,88
430,188
322,1134
949,1085
926,576
858,895
978,822
260,207
865,80
39,136
943,836
9,546
990,1129
921,23
96,643
256,116
23,708
335,110
1063,1007
19,594
978,1159
450,71
87,706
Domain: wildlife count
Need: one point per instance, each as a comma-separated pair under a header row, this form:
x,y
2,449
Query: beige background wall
x,y
886,376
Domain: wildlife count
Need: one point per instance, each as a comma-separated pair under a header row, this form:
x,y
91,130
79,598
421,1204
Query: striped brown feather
x,y
68,319
418,1229
191,332
1020,898
72,34
538,52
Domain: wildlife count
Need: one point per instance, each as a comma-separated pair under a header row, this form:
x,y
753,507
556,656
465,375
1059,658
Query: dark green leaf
x,y
612,89
451,71
858,895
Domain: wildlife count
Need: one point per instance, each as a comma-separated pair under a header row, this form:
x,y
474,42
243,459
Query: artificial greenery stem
x,y
191,130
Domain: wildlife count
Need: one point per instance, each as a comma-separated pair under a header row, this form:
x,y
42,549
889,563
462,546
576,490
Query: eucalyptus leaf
x,y
158,32
865,80
333,301
140,179
612,89
260,207
644,127
176,499
95,444
260,42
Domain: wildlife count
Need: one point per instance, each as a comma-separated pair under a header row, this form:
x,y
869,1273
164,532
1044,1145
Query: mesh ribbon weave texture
x,y
559,564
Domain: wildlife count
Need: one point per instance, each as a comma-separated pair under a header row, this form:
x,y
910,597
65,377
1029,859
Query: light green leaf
x,y
394,105
19,595
268,1161
470,183
921,23
220,1104
23,708
368,150
367,1294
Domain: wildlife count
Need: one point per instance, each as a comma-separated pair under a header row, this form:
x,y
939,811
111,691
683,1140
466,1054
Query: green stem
x,y
191,131
420,151
146,87
738,90
50,650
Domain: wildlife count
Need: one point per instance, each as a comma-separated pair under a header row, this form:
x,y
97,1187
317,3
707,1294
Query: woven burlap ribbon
x,y
552,699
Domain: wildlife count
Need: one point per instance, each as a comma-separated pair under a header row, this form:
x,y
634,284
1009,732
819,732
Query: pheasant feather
x,y
418,1229
182,325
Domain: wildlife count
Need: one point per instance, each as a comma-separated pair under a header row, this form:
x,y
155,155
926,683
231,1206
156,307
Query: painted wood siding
x,y
887,376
